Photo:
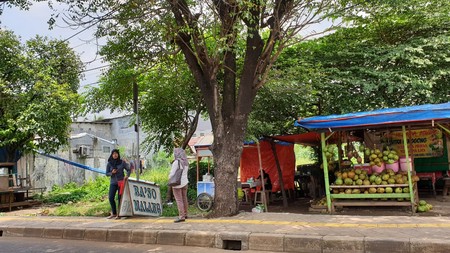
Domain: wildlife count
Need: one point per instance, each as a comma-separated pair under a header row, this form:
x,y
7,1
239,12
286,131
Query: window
x,y
106,149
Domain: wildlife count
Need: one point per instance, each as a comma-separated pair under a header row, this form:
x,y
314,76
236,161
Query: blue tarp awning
x,y
392,116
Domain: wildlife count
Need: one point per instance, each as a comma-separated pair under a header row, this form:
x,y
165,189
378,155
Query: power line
x,y
84,29
89,84
94,60
87,70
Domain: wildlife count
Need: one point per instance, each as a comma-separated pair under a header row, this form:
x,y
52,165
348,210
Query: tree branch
x,y
228,16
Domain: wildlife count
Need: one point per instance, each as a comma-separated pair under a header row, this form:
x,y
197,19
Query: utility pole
x,y
137,164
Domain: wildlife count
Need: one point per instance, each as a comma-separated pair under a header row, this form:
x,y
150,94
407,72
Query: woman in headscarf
x,y
180,191
115,170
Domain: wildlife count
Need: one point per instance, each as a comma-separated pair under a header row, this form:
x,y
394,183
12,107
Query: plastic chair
x,y
259,198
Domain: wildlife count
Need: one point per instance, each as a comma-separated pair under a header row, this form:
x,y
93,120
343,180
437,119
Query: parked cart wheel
x,y
204,202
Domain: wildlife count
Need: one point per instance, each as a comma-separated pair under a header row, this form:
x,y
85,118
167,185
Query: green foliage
x,y
84,209
203,169
73,195
98,209
170,210
91,198
21,4
304,155
228,48
276,106
161,159
38,84
95,190
67,210
169,113
400,58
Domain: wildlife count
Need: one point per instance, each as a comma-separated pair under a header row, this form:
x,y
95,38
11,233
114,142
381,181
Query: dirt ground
x,y
441,207
37,210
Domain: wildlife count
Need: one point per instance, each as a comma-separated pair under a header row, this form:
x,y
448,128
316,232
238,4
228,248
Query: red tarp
x,y
286,157
306,139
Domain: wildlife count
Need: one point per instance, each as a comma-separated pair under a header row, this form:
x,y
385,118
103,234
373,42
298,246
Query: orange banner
x,y
421,142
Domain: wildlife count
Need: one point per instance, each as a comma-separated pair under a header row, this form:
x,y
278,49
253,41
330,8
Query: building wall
x,y
122,128
46,172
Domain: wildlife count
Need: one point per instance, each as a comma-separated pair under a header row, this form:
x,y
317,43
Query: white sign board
x,y
140,198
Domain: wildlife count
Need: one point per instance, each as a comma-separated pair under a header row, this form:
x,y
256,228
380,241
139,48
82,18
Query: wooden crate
x,y
4,198
4,182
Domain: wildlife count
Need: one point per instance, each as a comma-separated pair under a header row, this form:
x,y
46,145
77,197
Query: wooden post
x,y
263,195
280,173
325,171
408,166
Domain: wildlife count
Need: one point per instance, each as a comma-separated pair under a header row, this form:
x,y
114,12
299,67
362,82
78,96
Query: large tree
x,y
400,58
170,103
38,92
229,46
278,103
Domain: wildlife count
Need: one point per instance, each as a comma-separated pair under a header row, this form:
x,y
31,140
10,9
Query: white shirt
x,y
184,176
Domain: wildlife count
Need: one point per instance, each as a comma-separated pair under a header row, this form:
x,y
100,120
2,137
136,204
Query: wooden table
x,y
250,184
431,176
6,198
247,187
446,186
15,197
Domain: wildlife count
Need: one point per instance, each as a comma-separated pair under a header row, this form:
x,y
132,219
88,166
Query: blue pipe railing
x,y
73,163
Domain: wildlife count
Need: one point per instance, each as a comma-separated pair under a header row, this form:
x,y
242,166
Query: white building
x,y
90,144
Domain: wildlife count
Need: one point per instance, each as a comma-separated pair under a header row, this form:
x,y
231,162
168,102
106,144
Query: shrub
x,y
92,197
202,170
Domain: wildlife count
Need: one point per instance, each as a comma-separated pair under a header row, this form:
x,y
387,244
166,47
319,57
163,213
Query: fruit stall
x,y
378,169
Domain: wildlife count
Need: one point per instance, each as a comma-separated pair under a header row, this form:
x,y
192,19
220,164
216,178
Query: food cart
x,y
401,120
206,187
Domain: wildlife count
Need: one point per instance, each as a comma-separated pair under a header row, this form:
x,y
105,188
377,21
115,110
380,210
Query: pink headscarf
x,y
180,155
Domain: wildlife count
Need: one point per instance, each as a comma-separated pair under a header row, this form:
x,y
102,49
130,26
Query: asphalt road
x,y
40,245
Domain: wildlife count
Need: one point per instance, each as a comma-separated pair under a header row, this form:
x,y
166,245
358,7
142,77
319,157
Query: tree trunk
x,y
227,150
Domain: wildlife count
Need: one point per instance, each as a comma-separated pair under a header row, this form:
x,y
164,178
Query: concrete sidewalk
x,y
277,232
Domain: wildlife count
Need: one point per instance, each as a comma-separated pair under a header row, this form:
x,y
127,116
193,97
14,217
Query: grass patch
x,y
98,209
91,198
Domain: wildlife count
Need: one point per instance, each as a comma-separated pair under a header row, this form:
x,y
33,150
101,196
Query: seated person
x,y
267,182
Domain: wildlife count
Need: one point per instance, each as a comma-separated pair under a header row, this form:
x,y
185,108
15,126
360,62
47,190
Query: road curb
x,y
266,242
144,237
171,237
94,234
391,245
200,239
119,235
33,232
238,240
342,244
73,233
53,233
421,245
303,243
